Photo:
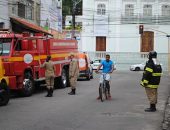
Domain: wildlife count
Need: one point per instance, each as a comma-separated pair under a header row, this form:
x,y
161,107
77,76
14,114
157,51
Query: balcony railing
x,y
141,19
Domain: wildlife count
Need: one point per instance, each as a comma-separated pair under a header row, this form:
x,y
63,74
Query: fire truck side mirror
x,y
24,44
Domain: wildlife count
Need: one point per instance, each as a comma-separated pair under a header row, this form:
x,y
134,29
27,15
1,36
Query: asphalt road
x,y
83,112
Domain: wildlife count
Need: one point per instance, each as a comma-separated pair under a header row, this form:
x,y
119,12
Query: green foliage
x,y
78,27
68,5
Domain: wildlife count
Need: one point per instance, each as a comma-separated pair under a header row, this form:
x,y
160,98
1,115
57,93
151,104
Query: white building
x,y
4,17
51,15
113,25
68,21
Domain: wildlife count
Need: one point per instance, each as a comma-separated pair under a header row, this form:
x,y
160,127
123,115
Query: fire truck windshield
x,y
5,44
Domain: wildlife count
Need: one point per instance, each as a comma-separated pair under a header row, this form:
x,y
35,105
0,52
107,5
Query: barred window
x,y
166,10
38,13
147,10
129,10
30,10
21,10
101,9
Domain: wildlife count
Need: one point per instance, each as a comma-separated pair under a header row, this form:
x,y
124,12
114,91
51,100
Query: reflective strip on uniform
x,y
149,69
152,86
141,83
145,81
156,74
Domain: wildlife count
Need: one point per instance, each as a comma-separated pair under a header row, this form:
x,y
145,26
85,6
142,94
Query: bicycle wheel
x,y
101,93
105,91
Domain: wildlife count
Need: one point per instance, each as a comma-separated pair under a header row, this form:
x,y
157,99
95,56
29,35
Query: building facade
x,y
25,9
51,15
4,19
113,25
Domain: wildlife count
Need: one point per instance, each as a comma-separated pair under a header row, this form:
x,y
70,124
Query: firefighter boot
x,y
48,93
151,109
51,92
73,92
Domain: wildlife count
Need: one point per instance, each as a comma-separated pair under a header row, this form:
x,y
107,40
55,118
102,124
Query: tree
x,y
68,6
67,9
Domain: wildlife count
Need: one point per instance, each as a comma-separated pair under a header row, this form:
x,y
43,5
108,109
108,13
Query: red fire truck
x,y
20,54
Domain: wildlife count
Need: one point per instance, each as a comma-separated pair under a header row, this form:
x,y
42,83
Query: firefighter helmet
x,y
152,54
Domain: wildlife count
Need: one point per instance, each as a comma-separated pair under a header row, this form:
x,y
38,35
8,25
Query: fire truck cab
x,y
20,56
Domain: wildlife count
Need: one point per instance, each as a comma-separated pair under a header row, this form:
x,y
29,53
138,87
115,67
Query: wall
x,y
121,37
4,13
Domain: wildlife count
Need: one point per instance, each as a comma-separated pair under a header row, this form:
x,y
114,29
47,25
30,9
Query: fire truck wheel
x,y
4,94
28,86
63,79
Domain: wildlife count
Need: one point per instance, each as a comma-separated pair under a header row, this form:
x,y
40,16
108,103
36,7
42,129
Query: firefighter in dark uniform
x,y
151,79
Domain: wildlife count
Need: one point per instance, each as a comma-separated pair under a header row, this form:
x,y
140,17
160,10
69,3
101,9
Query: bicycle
x,y
103,88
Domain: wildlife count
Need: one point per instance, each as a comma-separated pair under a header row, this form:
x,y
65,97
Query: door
x,y
147,41
100,43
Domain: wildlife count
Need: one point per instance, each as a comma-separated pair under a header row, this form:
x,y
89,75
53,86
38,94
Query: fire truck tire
x,y
4,94
68,80
63,80
28,85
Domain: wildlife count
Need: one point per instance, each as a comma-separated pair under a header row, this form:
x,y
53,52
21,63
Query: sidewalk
x,y
166,120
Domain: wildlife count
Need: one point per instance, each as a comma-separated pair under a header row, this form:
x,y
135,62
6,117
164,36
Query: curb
x,y
166,119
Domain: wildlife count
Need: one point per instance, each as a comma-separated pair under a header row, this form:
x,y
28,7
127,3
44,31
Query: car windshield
x,y
5,44
97,61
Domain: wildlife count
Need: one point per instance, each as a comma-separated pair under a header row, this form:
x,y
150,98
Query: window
x,y
5,45
14,9
17,44
129,10
147,10
166,10
38,13
101,9
1,24
21,10
29,10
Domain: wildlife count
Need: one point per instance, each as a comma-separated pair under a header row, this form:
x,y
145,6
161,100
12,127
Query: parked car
x,y
137,67
95,64
85,67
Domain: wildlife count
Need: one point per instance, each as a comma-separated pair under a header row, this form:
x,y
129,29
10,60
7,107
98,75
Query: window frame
x,y
165,11
147,10
101,9
130,10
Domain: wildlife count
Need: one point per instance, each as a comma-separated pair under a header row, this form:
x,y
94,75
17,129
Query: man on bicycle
x,y
108,68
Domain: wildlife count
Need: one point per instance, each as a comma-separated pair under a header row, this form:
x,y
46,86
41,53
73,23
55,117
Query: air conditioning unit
x,y
59,4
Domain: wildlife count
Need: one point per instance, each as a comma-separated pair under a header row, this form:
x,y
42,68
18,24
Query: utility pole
x,y
168,36
75,2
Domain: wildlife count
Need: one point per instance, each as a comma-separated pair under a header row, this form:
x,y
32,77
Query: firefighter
x,y
73,73
49,75
151,79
